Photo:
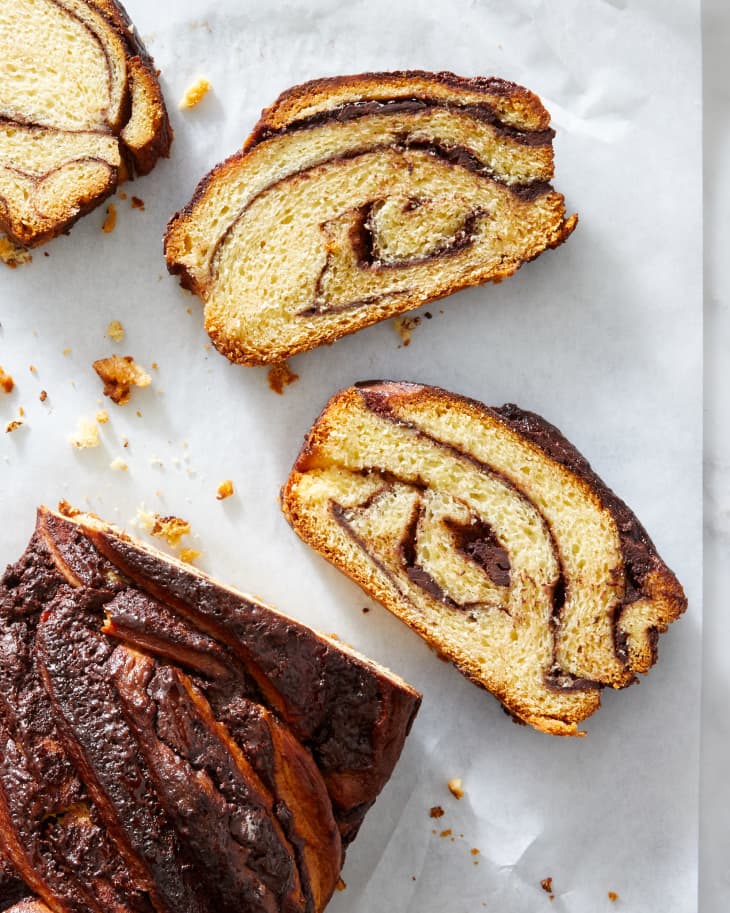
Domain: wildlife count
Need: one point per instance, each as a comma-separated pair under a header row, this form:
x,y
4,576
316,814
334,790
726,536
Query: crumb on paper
x,y
120,374
21,411
195,93
365,610
404,326
547,885
455,788
13,254
188,555
110,222
85,436
66,352
474,851
14,425
115,331
102,416
446,833
137,203
118,465
6,381
612,896
43,396
341,886
225,490
436,811
155,366
33,369
280,376
169,528
122,195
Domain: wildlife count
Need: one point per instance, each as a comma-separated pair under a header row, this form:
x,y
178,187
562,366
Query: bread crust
x,y
657,594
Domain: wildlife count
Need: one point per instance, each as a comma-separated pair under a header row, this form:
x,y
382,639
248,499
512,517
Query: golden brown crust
x,y
659,598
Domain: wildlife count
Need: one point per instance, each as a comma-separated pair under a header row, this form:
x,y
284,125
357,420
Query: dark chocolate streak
x,y
476,540
378,405
456,156
354,110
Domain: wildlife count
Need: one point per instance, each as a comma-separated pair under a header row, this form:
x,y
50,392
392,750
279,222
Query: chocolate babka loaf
x,y
170,745
489,534
80,108
357,198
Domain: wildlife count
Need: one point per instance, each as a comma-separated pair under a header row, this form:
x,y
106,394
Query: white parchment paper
x,y
603,337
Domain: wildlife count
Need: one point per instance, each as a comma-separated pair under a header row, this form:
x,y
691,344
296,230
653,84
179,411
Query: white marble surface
x,y
618,813
715,751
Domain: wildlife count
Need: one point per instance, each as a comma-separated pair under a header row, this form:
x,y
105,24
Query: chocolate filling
x,y
355,110
477,541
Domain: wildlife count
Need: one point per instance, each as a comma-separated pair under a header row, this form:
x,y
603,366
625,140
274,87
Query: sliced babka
x,y
80,108
357,198
170,745
489,534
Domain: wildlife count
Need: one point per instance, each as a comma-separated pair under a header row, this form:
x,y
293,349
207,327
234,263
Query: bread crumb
x,y
102,416
188,555
85,436
115,331
612,896
110,222
365,610
122,195
447,833
66,352
32,369
170,528
341,886
6,382
118,465
43,396
120,374
225,490
195,93
12,254
404,326
547,885
21,411
436,811
280,376
155,366
455,788
474,851
14,425
137,203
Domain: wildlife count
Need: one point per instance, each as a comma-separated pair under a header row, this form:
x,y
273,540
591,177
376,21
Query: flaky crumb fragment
x,y
404,326
7,383
446,833
14,425
195,93
102,416
188,555
280,376
86,434
110,222
118,465
547,885
12,254
115,331
137,203
225,490
43,396
436,811
119,374
456,788
612,896
169,528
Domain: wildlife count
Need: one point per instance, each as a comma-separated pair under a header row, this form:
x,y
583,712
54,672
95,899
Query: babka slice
x,y
80,109
170,745
357,198
489,534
